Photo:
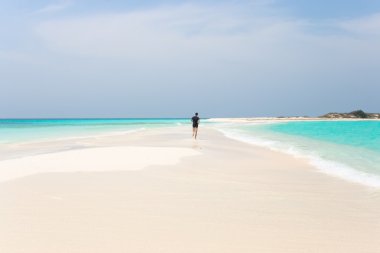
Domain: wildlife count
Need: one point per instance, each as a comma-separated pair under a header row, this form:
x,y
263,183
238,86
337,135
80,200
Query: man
x,y
195,120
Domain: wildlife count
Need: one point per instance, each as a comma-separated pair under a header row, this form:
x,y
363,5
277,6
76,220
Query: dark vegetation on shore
x,y
359,114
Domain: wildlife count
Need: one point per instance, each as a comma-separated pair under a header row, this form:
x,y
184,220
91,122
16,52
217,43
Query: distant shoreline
x,y
285,119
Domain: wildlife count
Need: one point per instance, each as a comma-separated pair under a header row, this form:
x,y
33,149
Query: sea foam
x,y
332,168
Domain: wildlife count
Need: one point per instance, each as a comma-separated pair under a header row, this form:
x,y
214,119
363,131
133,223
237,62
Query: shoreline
x,y
65,144
329,167
280,119
232,197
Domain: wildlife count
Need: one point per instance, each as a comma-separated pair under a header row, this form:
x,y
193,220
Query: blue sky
x,y
82,58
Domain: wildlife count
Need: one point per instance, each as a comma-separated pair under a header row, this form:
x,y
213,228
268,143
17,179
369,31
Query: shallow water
x,y
25,130
347,149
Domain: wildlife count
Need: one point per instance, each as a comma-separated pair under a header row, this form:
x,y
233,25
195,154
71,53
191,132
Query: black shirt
x,y
195,121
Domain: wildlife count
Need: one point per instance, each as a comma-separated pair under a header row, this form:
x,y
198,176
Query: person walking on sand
x,y
195,120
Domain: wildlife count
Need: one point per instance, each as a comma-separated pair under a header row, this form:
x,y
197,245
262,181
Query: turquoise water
x,y
25,130
347,149
363,134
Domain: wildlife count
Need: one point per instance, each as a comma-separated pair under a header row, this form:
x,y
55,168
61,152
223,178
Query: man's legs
x,y
196,131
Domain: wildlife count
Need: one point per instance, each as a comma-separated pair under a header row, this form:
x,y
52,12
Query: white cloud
x,y
17,57
369,25
230,38
168,32
206,35
55,7
250,56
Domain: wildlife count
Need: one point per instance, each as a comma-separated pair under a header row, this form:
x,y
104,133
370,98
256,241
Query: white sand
x,y
92,159
223,196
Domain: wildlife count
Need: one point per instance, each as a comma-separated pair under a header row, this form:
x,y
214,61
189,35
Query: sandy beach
x,y
160,191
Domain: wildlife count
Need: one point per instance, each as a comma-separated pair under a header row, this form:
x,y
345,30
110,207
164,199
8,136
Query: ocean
x,y
34,130
346,149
